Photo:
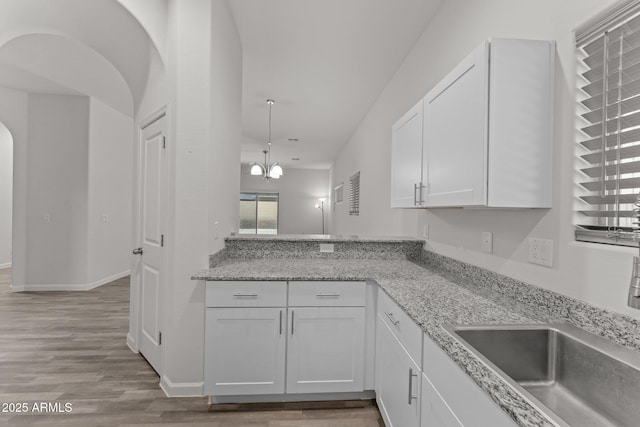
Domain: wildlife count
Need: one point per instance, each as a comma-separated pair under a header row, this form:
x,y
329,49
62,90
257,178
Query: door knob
x,y
137,251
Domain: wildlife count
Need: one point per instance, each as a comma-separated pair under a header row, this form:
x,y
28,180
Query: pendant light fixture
x,y
267,170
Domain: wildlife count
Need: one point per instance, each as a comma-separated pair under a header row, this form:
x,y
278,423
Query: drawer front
x,y
246,294
457,389
435,412
405,329
327,294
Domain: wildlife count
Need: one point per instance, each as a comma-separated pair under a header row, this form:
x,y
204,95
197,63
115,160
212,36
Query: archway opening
x,y
6,203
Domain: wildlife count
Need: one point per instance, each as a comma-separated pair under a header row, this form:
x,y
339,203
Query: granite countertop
x,y
429,297
322,238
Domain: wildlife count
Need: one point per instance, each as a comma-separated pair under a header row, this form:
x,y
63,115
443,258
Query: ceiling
x,y
324,63
44,63
95,48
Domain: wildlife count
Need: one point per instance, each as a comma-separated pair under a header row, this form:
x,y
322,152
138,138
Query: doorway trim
x,y
135,311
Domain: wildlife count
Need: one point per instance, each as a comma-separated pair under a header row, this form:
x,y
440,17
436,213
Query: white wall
x,y
6,195
204,78
226,127
598,274
110,187
57,187
299,191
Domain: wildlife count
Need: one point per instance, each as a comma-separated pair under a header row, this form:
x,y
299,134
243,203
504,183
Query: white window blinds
x,y
354,196
609,124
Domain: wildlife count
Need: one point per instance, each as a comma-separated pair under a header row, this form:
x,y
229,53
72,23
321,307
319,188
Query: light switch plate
x,y
541,251
326,247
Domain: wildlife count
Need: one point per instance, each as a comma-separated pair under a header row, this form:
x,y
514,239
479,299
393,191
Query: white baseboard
x,y
5,265
68,287
131,343
172,389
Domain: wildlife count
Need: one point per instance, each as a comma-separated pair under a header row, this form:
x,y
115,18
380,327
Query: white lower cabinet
x,y
251,347
326,349
245,351
454,392
434,411
397,380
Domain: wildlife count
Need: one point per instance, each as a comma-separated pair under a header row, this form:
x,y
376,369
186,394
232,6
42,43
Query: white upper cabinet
x,y
455,123
406,159
487,134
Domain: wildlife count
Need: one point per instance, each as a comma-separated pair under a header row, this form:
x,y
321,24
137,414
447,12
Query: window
x,y
337,193
259,213
354,197
609,124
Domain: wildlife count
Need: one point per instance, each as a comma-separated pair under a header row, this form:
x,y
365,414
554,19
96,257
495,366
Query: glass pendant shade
x,y
276,171
256,169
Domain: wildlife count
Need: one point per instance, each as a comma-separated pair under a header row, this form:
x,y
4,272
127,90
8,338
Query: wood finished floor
x,y
69,347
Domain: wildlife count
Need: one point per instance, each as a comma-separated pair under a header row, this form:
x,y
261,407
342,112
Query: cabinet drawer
x,y
326,294
405,329
246,294
435,412
458,390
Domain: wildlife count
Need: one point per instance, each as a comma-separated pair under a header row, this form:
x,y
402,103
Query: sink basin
x,y
574,377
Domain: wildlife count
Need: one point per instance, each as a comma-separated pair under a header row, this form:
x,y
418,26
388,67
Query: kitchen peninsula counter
x,y
436,291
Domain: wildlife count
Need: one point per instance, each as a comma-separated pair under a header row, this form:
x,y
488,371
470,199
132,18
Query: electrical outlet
x,y
105,218
541,251
487,241
326,247
46,218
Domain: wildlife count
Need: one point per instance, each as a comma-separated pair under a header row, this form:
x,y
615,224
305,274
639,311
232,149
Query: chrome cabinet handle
x,y
239,295
328,295
292,312
411,396
137,251
392,319
415,197
280,322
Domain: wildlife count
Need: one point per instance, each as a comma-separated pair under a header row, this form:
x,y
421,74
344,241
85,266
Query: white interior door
x,y
152,223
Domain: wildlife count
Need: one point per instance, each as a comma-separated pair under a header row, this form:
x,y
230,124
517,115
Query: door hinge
x,y
164,142
162,240
159,338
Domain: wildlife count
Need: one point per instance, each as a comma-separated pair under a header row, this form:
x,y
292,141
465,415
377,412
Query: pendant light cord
x,y
270,102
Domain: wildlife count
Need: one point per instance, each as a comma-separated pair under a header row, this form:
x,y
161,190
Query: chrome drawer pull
x,y
411,396
292,319
328,295
280,322
392,319
245,295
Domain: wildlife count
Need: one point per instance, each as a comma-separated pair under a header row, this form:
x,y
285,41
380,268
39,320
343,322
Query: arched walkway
x,y
6,195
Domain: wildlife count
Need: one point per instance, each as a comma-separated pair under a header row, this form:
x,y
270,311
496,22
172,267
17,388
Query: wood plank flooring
x,y
60,348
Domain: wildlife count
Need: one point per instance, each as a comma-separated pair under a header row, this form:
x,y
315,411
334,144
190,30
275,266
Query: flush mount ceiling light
x,y
267,170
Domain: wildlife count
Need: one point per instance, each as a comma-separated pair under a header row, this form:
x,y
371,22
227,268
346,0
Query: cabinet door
x,y
326,350
245,351
456,133
406,159
435,411
397,380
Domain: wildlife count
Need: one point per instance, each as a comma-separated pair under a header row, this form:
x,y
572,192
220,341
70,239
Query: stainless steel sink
x,y
576,378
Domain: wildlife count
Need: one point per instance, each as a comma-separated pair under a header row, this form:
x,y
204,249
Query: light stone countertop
x,y
428,297
323,238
